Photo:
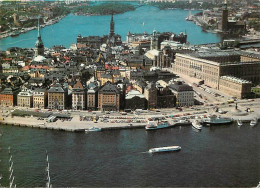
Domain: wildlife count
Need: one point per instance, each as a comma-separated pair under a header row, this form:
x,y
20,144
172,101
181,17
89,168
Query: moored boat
x,y
217,121
164,149
196,124
153,125
93,129
15,33
253,122
183,122
239,122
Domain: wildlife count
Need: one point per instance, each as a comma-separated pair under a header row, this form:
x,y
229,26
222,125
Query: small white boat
x,y
165,149
93,129
239,122
253,122
196,124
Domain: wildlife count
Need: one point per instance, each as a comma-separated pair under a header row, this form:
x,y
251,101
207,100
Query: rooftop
x,y
235,79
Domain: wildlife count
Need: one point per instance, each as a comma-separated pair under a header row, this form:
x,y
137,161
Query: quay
x,y
117,121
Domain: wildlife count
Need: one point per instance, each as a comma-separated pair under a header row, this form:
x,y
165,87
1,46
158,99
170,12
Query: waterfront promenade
x,y
115,119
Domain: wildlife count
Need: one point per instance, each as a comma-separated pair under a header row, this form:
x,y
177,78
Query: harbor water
x,y
214,157
143,19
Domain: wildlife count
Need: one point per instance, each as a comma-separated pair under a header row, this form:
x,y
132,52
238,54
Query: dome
x,y
39,58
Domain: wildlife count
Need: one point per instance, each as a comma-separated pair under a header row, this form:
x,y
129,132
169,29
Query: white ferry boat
x,y
196,124
93,129
164,149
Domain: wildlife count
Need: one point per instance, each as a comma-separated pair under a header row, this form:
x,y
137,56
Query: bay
x,y
224,156
143,19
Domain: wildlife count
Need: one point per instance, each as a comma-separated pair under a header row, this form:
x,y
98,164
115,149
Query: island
x,y
103,9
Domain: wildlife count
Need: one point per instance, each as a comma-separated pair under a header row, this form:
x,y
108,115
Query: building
x,y
92,96
235,87
150,93
8,97
96,41
165,98
184,94
57,97
25,98
78,97
156,38
109,97
40,97
135,100
230,26
209,66
113,39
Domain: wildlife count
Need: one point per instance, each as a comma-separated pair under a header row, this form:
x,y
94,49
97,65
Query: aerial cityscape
x,y
155,93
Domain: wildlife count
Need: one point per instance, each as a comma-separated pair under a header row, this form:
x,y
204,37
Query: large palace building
x,y
210,67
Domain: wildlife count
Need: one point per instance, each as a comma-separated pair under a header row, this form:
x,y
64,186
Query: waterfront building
x,y
40,96
235,87
78,97
135,100
25,98
113,39
8,97
209,66
165,97
39,44
156,38
150,93
109,97
92,96
57,97
184,94
230,26
96,41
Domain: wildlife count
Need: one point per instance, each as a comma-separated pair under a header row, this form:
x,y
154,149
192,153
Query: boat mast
x,y
11,170
48,184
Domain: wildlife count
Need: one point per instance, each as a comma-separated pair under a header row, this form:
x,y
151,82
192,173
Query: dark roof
x,y
56,89
181,87
7,91
109,88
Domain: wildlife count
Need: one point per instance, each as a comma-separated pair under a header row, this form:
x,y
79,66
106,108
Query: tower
x,y
39,44
112,26
224,18
154,41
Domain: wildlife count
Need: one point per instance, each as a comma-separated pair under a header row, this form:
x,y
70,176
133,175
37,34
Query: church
x,y
110,40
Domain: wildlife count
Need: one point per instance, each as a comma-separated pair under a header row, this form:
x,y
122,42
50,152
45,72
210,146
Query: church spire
x,y
112,26
39,33
39,44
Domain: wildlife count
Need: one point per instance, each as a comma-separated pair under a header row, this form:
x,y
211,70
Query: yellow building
x,y
40,98
235,87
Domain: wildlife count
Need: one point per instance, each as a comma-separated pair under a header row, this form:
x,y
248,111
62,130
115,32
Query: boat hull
x,y
165,149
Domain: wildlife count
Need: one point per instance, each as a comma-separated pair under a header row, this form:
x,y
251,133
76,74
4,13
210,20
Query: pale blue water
x,y
66,31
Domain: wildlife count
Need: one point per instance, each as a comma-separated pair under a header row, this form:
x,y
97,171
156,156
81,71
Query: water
x,y
66,31
219,156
